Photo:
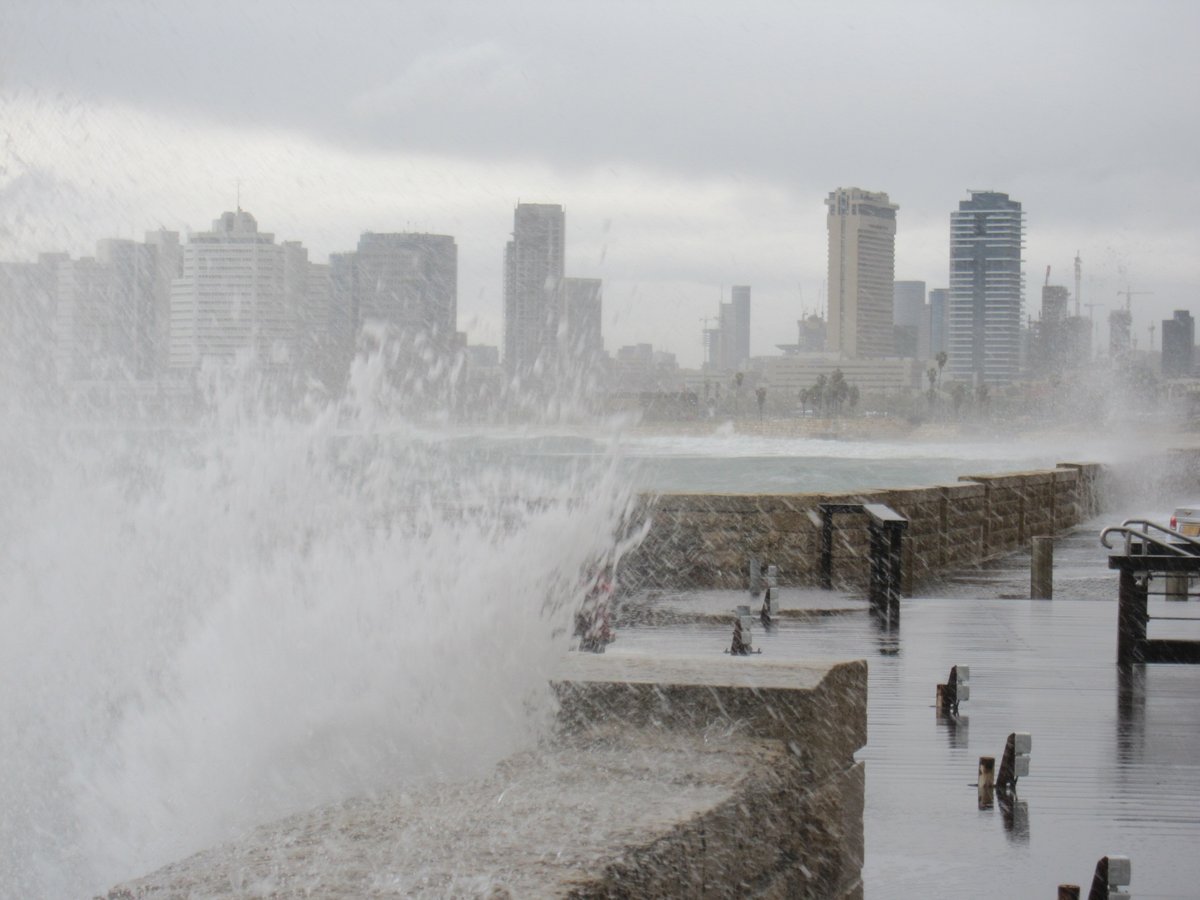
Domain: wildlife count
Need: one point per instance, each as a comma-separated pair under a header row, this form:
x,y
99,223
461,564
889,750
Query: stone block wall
x,y
706,540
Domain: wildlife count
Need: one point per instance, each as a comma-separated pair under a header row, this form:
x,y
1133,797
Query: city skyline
x,y
437,120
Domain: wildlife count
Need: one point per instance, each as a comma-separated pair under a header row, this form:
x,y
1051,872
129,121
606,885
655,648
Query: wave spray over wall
x,y
205,628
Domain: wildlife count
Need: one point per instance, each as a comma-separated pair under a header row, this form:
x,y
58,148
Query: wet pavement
x,y
1115,767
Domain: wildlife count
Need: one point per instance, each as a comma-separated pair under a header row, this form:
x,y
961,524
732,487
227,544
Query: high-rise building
x,y
862,261
736,327
987,288
134,282
233,299
111,310
583,316
939,321
910,320
168,254
1061,342
409,282
1178,345
727,346
533,273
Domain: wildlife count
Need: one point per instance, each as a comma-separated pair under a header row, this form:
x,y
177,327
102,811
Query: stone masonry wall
x,y
706,540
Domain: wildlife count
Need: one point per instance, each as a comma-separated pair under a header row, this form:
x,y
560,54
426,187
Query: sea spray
x,y
206,628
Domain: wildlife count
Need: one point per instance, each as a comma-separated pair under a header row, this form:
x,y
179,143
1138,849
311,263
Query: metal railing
x,y
1144,557
1140,529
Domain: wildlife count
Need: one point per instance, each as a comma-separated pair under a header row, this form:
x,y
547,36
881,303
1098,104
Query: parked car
x,y
1186,520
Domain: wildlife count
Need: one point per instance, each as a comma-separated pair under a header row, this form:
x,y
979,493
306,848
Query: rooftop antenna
x,y
238,182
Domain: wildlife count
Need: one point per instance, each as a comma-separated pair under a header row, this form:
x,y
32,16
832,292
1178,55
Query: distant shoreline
x,y
889,428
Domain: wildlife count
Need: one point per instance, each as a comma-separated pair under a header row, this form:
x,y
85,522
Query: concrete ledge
x,y
716,778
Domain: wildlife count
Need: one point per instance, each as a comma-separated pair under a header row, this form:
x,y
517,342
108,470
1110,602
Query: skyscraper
x,y
862,262
987,234
1178,344
533,273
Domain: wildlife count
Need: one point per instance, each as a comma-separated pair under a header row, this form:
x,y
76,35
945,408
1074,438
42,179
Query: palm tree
x,y
820,393
838,389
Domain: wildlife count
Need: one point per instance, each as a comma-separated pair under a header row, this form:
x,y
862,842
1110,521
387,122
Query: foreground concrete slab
x,y
682,778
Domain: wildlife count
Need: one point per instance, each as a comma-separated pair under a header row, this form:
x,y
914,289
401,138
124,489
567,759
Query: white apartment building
x,y
862,267
237,296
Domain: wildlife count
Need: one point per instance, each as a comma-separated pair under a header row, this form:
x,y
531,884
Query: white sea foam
x,y
204,629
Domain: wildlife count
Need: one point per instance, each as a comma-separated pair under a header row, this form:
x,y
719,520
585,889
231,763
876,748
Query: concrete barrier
x,y
713,778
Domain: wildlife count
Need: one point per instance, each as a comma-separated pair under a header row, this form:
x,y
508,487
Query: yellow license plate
x,y
1189,530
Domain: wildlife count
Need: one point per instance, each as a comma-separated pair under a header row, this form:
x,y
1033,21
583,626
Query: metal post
x,y
1041,568
987,783
1131,619
876,590
755,577
895,535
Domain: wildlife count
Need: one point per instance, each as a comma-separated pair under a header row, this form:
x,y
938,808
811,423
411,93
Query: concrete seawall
x,y
714,778
705,540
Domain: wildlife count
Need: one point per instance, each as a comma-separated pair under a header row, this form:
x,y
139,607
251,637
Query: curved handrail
x,y
1176,536
1130,533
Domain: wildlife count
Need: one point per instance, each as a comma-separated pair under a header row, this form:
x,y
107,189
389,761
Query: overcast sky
x,y
691,143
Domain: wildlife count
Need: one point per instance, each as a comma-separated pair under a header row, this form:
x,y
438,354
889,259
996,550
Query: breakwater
x,y
704,540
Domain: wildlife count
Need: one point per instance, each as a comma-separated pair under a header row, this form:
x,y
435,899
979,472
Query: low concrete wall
x,y
723,777
705,540
792,829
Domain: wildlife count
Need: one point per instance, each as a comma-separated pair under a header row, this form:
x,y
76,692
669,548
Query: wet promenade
x,y
1115,766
